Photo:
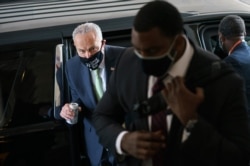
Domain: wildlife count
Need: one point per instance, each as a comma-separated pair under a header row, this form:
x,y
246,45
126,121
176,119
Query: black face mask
x,y
94,61
157,66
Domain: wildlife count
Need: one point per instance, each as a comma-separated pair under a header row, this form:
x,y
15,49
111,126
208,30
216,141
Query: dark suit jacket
x,y
221,136
240,60
81,88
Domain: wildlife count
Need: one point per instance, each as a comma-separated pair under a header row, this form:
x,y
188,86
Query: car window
x,y
58,75
26,75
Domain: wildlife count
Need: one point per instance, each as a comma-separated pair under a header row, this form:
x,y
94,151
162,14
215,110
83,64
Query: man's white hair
x,y
88,27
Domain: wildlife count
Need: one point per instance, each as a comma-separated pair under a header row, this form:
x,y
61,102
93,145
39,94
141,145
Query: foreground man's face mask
x,y
94,61
157,66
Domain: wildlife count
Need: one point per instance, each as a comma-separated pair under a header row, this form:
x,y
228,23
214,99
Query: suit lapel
x,y
176,129
196,75
109,63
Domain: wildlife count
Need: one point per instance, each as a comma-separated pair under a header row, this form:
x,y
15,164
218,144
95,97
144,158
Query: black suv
x,y
35,40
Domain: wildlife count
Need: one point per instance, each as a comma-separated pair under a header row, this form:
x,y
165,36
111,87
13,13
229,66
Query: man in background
x,y
232,32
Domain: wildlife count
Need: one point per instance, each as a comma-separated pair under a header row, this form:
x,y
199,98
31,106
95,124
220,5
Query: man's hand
x,y
67,113
181,100
143,144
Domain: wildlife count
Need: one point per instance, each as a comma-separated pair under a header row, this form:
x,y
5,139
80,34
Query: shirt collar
x,y
234,46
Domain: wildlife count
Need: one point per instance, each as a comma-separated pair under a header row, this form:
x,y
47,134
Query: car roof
x,y
19,15
204,7
26,20
39,14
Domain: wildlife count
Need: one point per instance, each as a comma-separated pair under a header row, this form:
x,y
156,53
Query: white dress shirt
x,y
102,74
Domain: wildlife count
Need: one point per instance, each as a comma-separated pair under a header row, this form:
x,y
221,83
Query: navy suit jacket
x,y
240,60
221,135
82,92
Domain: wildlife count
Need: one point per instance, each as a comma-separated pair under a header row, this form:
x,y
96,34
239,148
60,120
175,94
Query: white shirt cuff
x,y
118,143
185,135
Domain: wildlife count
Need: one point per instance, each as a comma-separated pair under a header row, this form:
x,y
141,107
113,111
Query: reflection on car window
x,y
58,76
26,82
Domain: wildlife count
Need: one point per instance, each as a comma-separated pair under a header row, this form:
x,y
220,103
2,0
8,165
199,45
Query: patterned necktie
x,y
98,84
159,123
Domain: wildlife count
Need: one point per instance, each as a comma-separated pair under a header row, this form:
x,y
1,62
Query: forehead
x,y
150,39
87,39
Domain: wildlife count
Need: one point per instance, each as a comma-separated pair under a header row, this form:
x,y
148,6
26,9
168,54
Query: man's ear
x,y
103,41
73,43
245,33
221,38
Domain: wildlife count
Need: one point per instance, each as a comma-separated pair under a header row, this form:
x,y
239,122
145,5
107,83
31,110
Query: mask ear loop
x,y
173,53
172,56
103,41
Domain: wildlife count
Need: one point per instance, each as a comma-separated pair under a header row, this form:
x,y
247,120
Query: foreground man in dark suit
x,y
203,100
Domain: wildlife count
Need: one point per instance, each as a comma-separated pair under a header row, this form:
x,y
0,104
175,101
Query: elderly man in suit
x,y
232,32
93,57
201,100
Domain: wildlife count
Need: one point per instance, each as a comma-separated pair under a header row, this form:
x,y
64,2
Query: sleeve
x,y
221,135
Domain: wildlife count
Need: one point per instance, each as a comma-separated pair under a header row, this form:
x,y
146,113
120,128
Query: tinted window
x,y
26,82
27,135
